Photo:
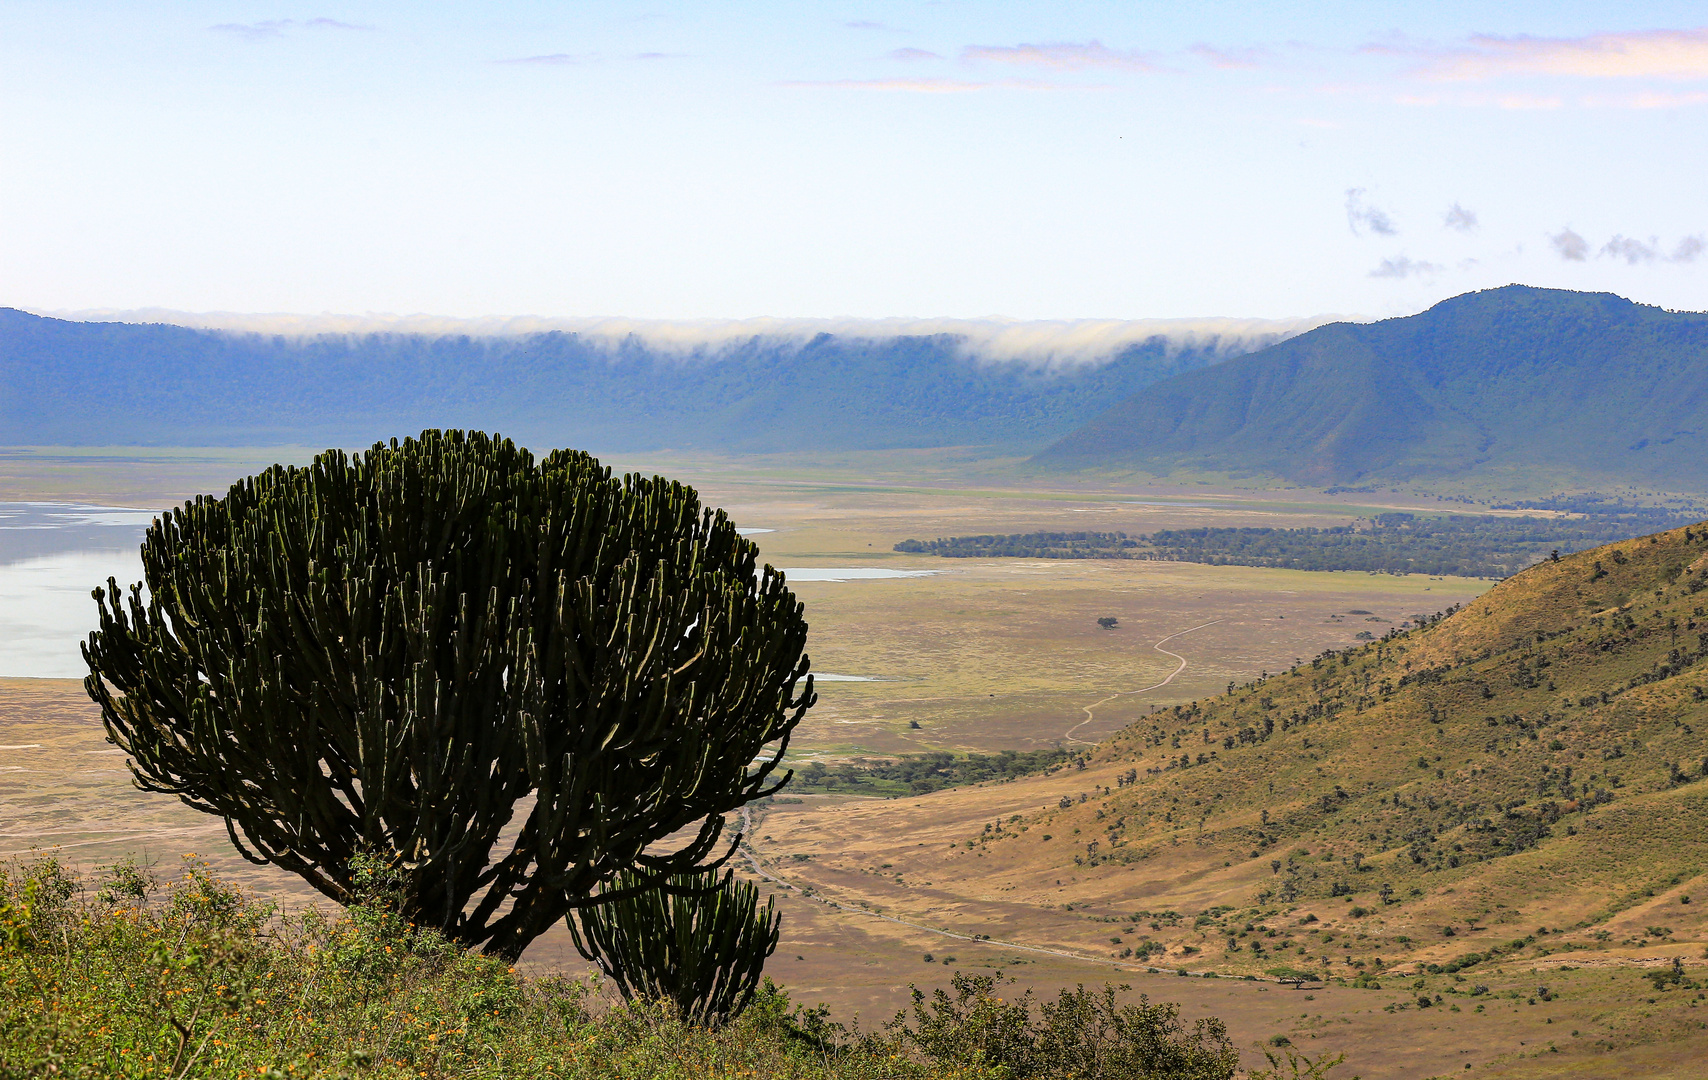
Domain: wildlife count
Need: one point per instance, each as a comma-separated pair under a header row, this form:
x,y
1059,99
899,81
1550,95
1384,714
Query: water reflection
x,y
51,556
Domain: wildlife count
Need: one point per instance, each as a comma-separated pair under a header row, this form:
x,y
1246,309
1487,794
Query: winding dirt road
x,y
1089,716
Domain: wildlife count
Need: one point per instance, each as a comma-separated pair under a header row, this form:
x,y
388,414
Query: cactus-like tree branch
x,y
513,678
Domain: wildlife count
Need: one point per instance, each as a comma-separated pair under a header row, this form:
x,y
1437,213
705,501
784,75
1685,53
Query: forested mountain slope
x,y
1562,386
89,383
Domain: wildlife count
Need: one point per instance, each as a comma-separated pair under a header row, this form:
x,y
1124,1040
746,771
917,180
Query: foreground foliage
x,y
196,980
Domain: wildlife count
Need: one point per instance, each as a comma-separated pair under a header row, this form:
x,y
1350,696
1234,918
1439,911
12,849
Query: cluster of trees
x,y
1038,545
917,774
1397,543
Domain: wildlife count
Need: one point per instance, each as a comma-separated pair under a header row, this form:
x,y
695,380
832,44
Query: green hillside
x,y
1538,759
1561,386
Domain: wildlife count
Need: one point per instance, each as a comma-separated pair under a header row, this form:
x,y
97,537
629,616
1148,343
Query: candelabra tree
x,y
696,940
510,679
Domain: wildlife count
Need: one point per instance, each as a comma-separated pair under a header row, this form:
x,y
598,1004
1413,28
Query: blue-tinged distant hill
x,y
1557,385
111,383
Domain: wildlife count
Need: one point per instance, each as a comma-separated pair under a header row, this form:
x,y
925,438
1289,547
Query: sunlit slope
x,y
1542,750
1554,385
1535,760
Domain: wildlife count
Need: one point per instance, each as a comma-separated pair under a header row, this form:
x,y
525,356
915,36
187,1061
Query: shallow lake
x,y
52,555
850,573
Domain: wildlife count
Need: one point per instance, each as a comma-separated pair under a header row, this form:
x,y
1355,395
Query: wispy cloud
x,y
914,54
1632,250
1636,252
553,59
1050,344
1360,217
1403,266
1062,56
934,86
1460,219
1651,99
1480,100
1229,59
272,28
1570,246
903,86
1647,54
1528,101
661,56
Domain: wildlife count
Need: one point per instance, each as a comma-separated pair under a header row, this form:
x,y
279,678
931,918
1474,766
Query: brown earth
x,y
994,654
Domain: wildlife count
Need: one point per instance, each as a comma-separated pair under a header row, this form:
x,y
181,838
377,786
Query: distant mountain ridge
x,y
1556,383
118,383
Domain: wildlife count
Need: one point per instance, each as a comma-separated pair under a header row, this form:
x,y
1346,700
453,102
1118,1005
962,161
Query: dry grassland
x,y
983,655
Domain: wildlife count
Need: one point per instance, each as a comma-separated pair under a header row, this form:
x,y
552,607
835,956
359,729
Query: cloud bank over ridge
x,y
1042,344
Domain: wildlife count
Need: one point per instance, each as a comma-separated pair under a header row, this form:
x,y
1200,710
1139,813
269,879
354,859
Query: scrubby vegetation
x,y
128,980
918,774
1409,791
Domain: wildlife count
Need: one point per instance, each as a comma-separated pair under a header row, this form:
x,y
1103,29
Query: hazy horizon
x,y
865,160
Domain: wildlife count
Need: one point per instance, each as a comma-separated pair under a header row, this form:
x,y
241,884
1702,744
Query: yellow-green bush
x,y
125,979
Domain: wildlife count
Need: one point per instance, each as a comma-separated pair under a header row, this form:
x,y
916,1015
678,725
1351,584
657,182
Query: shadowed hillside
x,y
76,383
1584,387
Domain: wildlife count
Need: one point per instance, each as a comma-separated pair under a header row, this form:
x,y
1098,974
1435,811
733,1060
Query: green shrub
x,y
127,980
1084,1033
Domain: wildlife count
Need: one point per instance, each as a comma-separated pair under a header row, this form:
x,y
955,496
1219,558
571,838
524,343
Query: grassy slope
x,y
1548,891
1576,386
1438,759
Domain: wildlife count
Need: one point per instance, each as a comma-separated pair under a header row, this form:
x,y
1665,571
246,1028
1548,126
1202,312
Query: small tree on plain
x,y
507,679
1108,622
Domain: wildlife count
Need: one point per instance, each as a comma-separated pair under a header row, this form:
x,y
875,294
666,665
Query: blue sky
x,y
731,160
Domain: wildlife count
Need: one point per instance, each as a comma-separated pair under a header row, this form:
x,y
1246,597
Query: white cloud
x,y
1230,59
272,28
904,86
553,59
1648,54
1042,344
1635,251
1360,217
1631,250
1062,56
1570,246
1403,266
1460,219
